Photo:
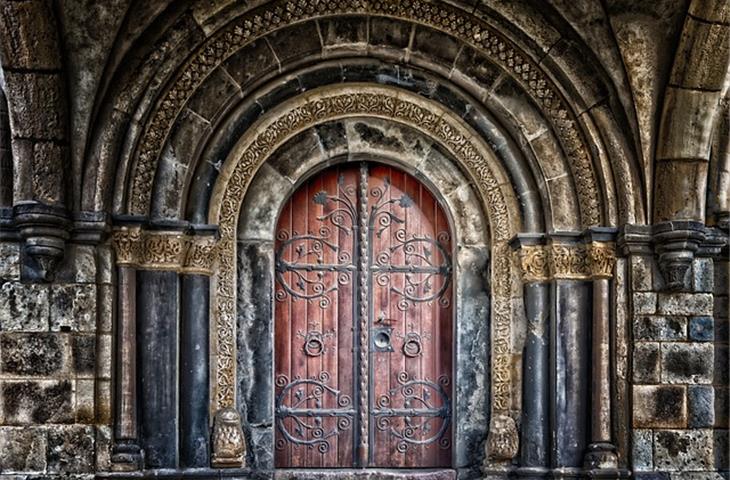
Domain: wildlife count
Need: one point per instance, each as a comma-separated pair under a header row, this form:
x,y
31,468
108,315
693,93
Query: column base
x,y
127,457
600,456
532,473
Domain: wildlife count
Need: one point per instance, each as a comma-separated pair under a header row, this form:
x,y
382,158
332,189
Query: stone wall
x,y
55,367
680,371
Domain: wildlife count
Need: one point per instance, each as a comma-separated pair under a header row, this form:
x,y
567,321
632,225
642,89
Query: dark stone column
x,y
157,337
569,362
194,369
126,455
535,437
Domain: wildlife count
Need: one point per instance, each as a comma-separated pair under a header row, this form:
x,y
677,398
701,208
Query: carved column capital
x,y
229,444
534,262
676,243
569,262
45,230
165,250
601,259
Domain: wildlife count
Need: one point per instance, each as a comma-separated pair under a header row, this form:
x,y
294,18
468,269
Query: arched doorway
x,y
363,323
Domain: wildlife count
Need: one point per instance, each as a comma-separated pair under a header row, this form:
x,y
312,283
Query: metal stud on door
x,y
363,323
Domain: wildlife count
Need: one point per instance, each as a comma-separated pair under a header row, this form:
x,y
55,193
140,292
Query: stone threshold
x,y
285,474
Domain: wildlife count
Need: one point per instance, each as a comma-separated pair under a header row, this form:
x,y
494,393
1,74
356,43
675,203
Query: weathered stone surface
x,y
32,41
104,356
646,363
703,275
344,32
22,449
209,101
684,303
722,407
659,406
701,406
103,446
645,303
683,450
103,402
79,265
36,402
296,43
23,307
658,328
721,371
73,308
687,362
434,44
33,354
721,440
641,273
251,63
71,449
702,329
702,68
642,449
40,115
84,354
9,261
85,401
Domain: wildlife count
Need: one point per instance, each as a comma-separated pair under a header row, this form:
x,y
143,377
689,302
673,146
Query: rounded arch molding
x,y
473,158
558,110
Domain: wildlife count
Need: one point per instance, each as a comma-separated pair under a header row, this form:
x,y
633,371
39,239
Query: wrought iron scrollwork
x,y
311,277
307,412
424,403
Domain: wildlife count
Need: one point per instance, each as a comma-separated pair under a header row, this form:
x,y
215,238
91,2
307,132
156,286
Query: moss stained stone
x,y
36,402
33,354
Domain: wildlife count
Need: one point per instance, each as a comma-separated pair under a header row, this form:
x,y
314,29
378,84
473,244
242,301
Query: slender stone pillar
x,y
126,455
601,459
194,367
157,336
569,362
535,438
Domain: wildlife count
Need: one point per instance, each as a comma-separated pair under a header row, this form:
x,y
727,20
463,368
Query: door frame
x,y
272,184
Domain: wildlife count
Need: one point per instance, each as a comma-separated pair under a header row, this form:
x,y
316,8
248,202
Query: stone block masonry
x,y
55,367
679,393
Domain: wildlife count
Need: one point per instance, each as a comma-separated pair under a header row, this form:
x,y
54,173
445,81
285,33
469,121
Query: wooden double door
x,y
363,323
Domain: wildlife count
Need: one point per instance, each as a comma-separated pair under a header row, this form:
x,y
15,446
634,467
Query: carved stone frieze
x,y
441,16
569,262
164,250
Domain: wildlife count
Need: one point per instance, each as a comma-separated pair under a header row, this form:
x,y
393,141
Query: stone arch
x,y
474,158
604,159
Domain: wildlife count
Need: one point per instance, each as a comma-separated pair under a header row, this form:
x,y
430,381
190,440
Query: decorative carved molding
x,y
502,441
569,262
440,16
164,250
322,105
534,262
601,259
229,444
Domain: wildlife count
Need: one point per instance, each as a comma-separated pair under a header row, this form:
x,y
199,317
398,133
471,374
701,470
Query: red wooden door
x,y
363,323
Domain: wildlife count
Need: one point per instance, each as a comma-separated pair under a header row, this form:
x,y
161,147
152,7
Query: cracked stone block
x,y
687,362
73,308
9,261
71,449
646,363
35,402
30,354
22,450
23,308
643,449
659,406
659,328
701,405
645,303
683,450
684,303
702,329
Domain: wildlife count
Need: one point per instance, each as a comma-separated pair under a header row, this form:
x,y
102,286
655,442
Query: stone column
x,y
535,437
126,454
569,362
601,459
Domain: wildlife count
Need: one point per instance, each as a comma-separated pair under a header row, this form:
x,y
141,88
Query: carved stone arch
x,y
456,138
519,65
